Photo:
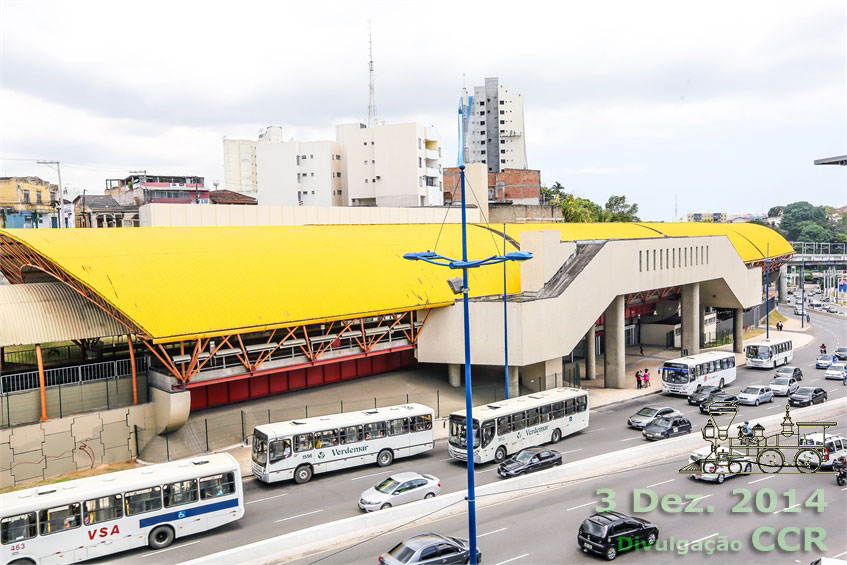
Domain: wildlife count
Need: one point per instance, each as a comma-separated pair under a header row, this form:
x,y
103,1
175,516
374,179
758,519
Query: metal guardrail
x,y
76,374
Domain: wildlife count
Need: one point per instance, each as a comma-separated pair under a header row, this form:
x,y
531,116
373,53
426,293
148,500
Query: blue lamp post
x,y
465,264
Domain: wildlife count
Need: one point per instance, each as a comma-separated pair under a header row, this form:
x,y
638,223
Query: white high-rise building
x,y
390,165
306,173
240,161
493,126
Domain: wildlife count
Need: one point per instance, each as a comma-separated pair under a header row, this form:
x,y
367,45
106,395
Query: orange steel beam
x,y
411,331
309,343
423,325
328,344
387,331
182,365
225,341
132,369
246,360
198,347
378,325
168,366
259,359
41,381
265,356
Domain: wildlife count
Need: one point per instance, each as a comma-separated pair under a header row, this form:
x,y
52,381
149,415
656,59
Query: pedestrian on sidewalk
x,y
646,378
638,379
641,349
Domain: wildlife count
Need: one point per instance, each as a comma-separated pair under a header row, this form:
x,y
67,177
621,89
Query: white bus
x,y
514,424
687,374
300,448
97,516
770,353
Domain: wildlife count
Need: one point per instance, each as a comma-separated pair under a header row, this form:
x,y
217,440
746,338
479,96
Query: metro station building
x,y
216,315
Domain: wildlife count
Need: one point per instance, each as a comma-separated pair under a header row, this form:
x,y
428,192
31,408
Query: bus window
x,y
59,518
141,501
487,432
351,434
183,492
558,409
583,403
545,413
374,430
421,423
398,427
328,438
17,528
302,442
532,417
518,421
731,361
217,485
504,425
280,449
102,509
712,367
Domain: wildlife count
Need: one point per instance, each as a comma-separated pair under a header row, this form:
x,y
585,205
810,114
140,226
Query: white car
x,y
755,394
836,446
739,464
835,371
399,488
784,386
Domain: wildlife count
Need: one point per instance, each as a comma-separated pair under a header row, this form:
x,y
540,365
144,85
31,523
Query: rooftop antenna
x,y
372,121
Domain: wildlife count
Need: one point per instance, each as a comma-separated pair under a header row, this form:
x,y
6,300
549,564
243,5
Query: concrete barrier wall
x,y
297,544
64,445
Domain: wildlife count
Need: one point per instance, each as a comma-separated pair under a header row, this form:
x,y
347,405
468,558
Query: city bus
x,y
514,424
298,449
770,353
96,516
687,374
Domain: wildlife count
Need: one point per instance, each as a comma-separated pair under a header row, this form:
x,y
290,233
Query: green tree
x,y
775,211
798,213
619,210
574,209
812,231
552,193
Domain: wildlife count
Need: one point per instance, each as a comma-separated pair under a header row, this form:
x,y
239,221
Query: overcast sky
x,y
724,103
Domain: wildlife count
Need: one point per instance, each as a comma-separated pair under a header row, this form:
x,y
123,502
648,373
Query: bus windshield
x,y
758,351
458,432
674,375
260,448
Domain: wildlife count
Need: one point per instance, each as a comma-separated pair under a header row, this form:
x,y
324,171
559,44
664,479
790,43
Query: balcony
x,y
432,154
510,133
431,135
431,172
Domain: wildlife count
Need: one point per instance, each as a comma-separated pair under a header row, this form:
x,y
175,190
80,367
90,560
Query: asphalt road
x,y
280,508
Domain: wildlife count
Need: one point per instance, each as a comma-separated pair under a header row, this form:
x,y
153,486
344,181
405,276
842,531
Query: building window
x,y
502,111
502,160
26,196
38,196
373,161
366,180
311,156
502,122
482,152
482,124
502,102
420,162
502,151
482,103
639,260
338,157
364,143
298,159
482,113
366,161
419,143
312,174
372,142
502,141
303,157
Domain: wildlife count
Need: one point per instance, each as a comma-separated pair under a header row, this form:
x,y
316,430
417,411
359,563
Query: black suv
x,y
609,533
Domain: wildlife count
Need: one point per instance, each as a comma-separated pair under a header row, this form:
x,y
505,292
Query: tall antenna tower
x,y
372,99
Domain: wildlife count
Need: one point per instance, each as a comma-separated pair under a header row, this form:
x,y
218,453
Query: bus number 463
x,y
103,532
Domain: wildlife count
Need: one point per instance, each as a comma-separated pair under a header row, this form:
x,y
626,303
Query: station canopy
x,y
186,283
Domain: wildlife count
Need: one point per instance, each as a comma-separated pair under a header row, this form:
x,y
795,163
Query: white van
x,y
836,446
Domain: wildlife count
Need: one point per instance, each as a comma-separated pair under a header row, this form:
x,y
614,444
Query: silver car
x,y
784,386
646,415
399,489
755,395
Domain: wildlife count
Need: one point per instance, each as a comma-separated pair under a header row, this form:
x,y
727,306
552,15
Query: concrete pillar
x,y
590,354
39,357
514,381
615,344
454,374
132,368
690,318
171,409
782,284
541,376
702,341
738,330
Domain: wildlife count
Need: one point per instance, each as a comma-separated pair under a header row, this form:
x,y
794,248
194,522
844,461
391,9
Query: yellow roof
x,y
184,283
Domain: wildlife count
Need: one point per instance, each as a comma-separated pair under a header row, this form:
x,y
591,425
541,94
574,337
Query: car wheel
x,y
721,479
303,474
500,454
385,506
385,458
557,435
651,539
611,553
771,400
757,402
161,537
430,495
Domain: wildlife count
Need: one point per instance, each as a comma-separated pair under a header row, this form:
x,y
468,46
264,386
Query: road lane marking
x,y
571,451
158,551
662,483
772,407
371,475
583,505
589,431
759,480
513,559
299,516
442,460
701,539
701,498
632,438
489,533
268,498
788,508
840,554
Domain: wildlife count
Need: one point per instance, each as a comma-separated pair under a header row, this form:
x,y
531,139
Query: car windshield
x,y
387,486
662,423
707,390
760,351
402,553
524,456
593,528
647,412
841,350
780,381
825,358
750,390
786,371
836,367
804,391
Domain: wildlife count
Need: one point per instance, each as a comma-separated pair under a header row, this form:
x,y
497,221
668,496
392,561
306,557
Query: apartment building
x,y
148,188
710,217
240,174
493,127
305,173
30,202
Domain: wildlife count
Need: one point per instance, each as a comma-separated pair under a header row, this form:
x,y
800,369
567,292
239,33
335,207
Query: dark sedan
x,y
807,395
429,548
664,428
529,460
702,394
721,397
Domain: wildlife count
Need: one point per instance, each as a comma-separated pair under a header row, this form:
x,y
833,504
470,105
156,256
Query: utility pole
x,y
60,191
372,100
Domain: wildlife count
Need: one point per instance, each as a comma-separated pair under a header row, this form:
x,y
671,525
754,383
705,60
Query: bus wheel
x,y
385,458
161,537
500,454
303,474
557,435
